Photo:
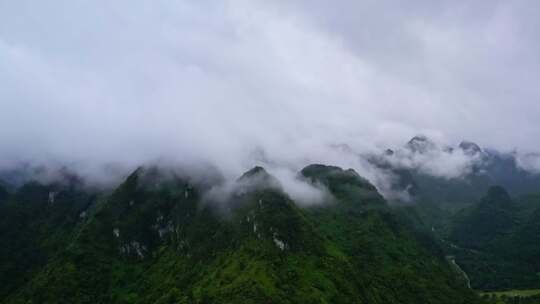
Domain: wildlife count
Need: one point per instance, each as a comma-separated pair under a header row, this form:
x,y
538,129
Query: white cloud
x,y
95,82
529,162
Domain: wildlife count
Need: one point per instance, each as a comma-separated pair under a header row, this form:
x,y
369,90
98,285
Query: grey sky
x,y
107,81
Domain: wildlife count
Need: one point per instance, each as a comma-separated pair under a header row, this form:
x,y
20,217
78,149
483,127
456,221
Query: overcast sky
x,y
104,81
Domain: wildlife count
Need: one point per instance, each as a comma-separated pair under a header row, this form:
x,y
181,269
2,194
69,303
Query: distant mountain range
x,y
166,237
479,169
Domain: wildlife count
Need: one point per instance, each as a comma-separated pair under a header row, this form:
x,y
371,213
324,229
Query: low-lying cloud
x,y
436,162
101,84
529,162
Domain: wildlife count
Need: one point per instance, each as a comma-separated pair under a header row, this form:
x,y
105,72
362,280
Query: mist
x,y
104,87
529,162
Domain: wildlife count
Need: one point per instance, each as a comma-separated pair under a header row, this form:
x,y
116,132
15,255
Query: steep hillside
x,y
158,239
395,262
497,242
489,221
36,223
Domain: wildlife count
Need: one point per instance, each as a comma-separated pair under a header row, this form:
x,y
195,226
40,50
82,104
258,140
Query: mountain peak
x,y
420,143
258,177
332,176
253,172
470,148
419,137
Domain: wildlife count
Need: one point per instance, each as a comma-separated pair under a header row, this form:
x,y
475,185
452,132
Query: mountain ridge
x,y
154,240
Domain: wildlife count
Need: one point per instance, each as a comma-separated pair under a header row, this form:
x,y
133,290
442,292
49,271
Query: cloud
x,y
95,83
529,162
436,162
301,191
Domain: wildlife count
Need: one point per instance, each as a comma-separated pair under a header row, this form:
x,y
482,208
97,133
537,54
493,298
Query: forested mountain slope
x,y
158,239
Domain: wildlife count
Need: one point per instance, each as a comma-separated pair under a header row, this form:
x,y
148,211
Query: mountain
x,y
161,238
490,220
407,168
503,169
497,241
36,223
420,144
486,219
470,148
483,168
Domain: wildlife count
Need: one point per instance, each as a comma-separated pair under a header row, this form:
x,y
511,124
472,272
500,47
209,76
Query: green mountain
x,y
162,238
36,223
490,231
488,222
497,241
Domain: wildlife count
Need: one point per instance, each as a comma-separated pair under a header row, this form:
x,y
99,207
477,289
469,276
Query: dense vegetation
x,y
158,238
487,221
497,242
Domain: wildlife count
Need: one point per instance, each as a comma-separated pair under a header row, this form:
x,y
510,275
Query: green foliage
x,y
34,227
497,242
491,219
156,240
